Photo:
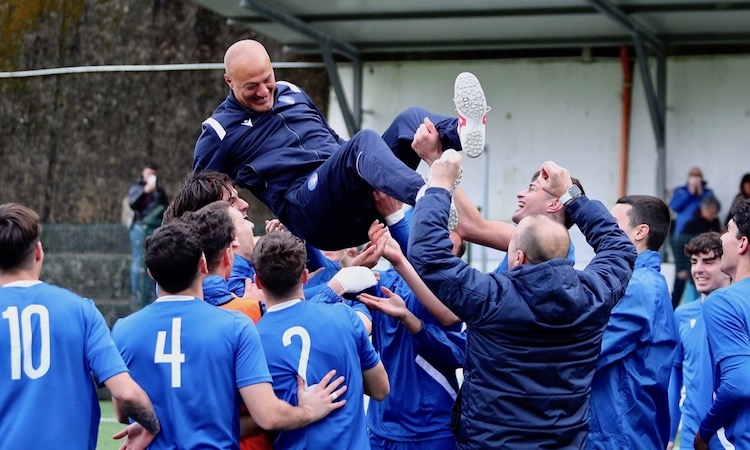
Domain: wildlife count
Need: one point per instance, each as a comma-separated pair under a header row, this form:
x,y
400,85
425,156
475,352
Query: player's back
x,y
311,339
53,341
191,358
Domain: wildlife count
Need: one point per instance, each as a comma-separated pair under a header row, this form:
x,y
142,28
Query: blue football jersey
x,y
191,358
52,342
310,339
726,312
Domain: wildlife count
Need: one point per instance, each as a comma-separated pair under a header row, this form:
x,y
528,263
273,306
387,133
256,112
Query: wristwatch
x,y
572,193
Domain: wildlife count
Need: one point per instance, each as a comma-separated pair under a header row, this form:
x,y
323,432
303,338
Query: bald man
x,y
534,331
272,140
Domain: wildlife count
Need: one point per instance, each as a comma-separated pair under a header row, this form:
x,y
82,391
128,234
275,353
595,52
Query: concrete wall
x,y
569,111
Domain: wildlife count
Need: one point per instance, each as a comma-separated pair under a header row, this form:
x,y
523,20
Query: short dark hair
x,y
19,232
704,243
215,230
711,202
279,260
741,217
152,165
652,211
198,190
568,221
172,255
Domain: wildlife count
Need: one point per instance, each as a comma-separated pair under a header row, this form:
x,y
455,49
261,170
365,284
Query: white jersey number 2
x,y
175,358
304,356
21,335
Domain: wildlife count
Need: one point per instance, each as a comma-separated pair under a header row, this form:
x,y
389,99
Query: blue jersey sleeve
x,y
102,355
250,367
628,324
400,232
675,384
730,348
368,357
442,349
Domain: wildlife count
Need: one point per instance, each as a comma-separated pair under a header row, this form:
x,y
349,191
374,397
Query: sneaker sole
x,y
471,105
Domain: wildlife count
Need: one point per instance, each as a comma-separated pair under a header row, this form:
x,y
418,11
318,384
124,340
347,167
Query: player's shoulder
x,y
58,295
288,87
688,311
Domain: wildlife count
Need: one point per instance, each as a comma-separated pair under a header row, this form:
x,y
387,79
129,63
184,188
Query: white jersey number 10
x,y
21,336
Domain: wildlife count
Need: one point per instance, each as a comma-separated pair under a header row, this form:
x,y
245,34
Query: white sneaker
x,y
452,217
472,110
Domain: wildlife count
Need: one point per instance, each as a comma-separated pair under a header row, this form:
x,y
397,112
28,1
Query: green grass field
x,y
107,427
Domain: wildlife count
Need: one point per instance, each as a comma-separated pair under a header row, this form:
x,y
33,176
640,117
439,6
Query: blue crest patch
x,y
286,99
312,182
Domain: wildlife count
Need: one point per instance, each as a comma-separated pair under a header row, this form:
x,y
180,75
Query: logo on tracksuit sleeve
x,y
312,182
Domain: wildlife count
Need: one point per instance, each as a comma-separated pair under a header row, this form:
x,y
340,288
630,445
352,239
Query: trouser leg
x,y
333,209
400,133
137,237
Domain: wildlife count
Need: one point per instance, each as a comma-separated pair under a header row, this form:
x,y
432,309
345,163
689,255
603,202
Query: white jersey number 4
x,y
175,358
21,336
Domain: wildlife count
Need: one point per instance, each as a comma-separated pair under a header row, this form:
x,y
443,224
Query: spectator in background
x,y
744,194
692,360
148,202
685,201
705,219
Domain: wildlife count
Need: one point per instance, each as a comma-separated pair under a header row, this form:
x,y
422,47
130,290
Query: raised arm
x,y
474,228
425,296
615,253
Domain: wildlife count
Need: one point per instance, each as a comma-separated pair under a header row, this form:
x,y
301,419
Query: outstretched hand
x,y
554,179
393,305
137,437
426,142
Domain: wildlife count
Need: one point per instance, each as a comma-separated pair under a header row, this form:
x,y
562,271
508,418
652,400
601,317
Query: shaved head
x,y
540,238
249,74
245,52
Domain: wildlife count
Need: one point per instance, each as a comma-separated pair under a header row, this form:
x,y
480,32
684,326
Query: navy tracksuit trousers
x,y
334,208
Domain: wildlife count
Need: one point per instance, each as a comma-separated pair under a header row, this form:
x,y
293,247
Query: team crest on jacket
x,y
312,182
286,99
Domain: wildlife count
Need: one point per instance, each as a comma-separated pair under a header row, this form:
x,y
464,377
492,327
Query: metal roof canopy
x,y
362,30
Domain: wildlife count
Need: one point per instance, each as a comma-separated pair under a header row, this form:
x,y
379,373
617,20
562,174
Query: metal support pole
x,y
611,10
661,92
295,24
357,92
656,100
327,44
333,74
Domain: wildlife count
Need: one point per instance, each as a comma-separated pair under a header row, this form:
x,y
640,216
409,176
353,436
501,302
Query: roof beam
x,y
298,25
509,12
609,9
327,44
